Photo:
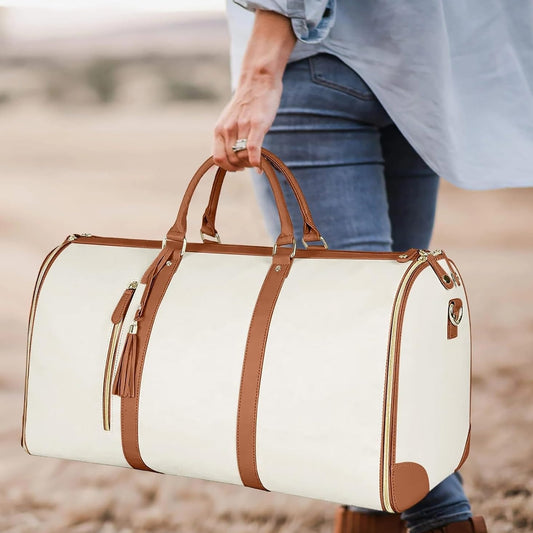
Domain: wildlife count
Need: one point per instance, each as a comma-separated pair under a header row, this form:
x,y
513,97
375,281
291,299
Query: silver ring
x,y
240,144
275,248
322,240
455,319
216,236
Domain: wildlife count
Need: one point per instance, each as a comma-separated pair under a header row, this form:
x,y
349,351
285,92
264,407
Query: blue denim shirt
x,y
311,20
456,76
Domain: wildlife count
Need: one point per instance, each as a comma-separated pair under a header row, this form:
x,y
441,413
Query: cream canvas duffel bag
x,y
337,375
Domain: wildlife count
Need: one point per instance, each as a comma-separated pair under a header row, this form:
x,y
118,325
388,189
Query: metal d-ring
x,y
183,246
455,320
275,248
204,235
321,239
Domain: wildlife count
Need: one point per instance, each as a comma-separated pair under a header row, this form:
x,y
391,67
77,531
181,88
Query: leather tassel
x,y
124,384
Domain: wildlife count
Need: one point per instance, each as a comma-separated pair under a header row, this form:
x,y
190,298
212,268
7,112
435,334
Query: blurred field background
x,y
102,123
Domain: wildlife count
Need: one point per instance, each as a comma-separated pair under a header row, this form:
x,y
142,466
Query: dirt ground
x,y
121,172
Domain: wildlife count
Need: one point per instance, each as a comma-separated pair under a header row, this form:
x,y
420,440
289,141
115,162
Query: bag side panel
x,y
70,339
192,371
319,427
433,415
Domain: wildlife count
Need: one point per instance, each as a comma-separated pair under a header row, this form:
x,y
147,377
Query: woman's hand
x,y
254,104
248,115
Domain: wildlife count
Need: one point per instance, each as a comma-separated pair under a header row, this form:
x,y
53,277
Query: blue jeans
x,y
366,187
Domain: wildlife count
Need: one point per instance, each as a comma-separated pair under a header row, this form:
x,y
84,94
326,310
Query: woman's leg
x,y
412,189
334,135
335,155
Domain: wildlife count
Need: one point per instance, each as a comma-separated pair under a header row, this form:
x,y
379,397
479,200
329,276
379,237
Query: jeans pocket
x,y
328,70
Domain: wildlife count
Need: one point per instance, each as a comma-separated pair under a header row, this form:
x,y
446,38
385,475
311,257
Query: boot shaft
x,y
347,521
472,525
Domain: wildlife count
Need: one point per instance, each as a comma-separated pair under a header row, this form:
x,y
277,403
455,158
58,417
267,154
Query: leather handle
x,y
178,230
310,231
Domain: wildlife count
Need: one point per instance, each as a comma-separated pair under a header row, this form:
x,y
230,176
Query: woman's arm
x,y
254,104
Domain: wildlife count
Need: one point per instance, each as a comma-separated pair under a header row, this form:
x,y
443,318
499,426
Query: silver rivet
x,y
278,268
168,263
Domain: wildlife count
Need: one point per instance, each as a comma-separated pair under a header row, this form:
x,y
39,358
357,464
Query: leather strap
x,y
310,231
210,213
253,367
130,406
178,230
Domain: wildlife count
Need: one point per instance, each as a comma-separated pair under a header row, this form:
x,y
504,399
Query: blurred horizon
x,y
64,58
128,5
23,26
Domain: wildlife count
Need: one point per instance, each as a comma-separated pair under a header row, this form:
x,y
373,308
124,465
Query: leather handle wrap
x,y
310,231
179,228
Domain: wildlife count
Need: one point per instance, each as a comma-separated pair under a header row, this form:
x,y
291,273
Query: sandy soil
x,y
121,173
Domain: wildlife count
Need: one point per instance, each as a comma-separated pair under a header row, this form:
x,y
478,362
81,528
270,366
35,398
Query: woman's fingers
x,y
223,155
248,115
225,139
254,144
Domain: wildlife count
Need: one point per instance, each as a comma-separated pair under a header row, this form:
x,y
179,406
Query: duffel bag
x,y
338,375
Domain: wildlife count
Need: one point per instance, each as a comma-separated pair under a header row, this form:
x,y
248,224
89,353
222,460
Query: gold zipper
x,y
40,278
118,320
422,257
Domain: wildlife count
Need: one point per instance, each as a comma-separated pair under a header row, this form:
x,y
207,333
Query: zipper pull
x,y
453,272
407,256
123,303
125,382
74,236
443,276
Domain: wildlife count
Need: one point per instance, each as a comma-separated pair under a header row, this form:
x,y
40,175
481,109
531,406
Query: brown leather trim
x,y
452,329
384,410
178,230
210,213
410,484
394,406
458,274
118,241
242,249
43,269
396,379
466,451
252,368
461,282
130,406
310,253
445,279
122,306
310,230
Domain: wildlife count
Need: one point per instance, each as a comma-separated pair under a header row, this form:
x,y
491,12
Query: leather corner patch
x,y
409,485
466,450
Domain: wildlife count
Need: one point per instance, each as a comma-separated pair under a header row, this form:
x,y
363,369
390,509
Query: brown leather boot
x,y
472,525
347,521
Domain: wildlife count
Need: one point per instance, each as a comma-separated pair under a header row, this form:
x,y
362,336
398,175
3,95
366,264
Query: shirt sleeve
x,y
311,20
